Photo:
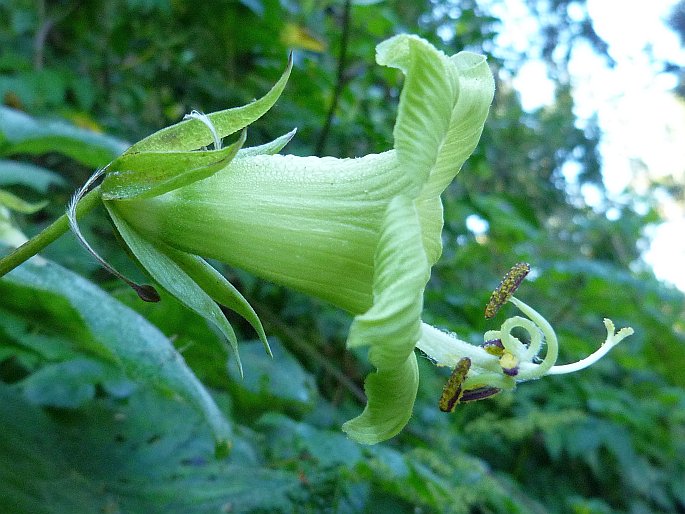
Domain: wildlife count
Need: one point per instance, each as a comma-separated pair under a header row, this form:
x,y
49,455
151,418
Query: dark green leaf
x,y
16,204
273,382
67,302
29,175
72,383
150,454
289,438
22,134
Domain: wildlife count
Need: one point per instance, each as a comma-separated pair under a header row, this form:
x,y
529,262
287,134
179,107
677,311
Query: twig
x,y
340,79
45,25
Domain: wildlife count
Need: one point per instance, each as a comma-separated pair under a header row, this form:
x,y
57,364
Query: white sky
x,y
643,122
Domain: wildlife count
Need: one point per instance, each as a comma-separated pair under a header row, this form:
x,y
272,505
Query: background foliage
x,y
97,418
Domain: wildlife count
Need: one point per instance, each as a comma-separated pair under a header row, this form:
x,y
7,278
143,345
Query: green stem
x,y
59,227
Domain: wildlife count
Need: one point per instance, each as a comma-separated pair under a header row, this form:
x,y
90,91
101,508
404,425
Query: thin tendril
x,y
144,291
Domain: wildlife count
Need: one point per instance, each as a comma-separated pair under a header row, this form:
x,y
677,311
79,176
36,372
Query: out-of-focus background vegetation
x,y
88,420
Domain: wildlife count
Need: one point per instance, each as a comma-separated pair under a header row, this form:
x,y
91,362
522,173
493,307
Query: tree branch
x,y
340,80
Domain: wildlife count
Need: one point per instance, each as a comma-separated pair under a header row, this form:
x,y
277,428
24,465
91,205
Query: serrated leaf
x,y
22,134
148,174
149,454
67,303
289,438
445,479
192,134
174,279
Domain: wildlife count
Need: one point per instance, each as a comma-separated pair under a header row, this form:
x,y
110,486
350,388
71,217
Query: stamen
x,y
481,393
452,391
510,364
494,347
196,115
506,288
145,292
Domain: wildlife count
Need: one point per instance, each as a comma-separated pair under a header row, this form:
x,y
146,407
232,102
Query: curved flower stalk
x,y
359,233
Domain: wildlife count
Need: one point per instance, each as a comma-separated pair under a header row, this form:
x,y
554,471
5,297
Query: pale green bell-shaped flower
x,y
360,233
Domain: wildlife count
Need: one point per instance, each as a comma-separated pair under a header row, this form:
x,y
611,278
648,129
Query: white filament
x,y
196,115
145,292
73,222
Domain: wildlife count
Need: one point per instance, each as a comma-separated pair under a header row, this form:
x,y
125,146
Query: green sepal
x,y
221,290
16,204
174,279
192,134
149,174
392,326
270,148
